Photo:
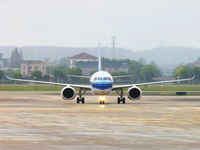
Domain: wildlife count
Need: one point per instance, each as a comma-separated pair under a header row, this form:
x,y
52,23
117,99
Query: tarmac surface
x,y
42,120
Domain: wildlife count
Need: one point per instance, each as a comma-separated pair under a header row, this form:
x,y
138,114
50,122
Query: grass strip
x,y
38,87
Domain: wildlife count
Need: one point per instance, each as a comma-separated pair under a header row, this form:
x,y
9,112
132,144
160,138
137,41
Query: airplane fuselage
x,y
101,83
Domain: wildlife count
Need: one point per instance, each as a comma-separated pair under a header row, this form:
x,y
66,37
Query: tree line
x,y
140,71
187,71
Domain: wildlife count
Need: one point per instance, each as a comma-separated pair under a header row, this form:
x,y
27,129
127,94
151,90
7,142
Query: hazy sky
x,y
137,24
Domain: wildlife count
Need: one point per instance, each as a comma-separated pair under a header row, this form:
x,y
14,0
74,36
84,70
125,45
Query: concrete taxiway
x,y
42,120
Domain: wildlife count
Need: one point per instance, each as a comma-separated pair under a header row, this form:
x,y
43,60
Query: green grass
x,y
27,87
171,88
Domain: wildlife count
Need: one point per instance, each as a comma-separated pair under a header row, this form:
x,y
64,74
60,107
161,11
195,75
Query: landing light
x,y
102,100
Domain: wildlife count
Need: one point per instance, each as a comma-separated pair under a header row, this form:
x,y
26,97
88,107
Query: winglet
x,y
8,77
192,77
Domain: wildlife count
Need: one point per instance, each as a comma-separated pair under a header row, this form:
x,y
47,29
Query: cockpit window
x,y
99,78
109,78
105,78
102,79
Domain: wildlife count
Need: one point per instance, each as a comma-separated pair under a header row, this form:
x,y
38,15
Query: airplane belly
x,y
101,92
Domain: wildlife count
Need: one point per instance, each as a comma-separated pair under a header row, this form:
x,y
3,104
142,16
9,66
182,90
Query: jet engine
x,y
134,93
68,93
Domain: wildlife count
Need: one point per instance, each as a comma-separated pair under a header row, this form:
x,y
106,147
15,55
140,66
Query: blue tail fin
x,y
99,60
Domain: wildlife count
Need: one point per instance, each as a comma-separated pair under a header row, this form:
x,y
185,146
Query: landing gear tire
x,y
83,100
80,100
102,102
119,100
123,100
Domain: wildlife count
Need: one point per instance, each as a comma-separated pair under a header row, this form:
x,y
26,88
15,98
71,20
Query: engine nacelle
x,y
68,93
134,93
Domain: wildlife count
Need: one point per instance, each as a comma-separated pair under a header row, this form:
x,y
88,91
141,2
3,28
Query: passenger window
x,y
109,78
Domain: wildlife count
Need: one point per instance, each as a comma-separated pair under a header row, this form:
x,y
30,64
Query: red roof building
x,y
81,57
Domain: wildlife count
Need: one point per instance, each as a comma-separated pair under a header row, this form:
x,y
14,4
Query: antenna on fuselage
x,y
99,59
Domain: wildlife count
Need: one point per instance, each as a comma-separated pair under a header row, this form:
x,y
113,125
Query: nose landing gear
x,y
102,100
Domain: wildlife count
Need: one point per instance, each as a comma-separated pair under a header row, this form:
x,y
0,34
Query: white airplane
x,y
101,83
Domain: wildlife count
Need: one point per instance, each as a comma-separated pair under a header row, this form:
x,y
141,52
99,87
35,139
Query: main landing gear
x,y
80,98
121,98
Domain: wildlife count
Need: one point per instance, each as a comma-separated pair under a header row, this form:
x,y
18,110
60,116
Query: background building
x,y
82,57
87,67
28,66
85,62
16,59
116,67
4,62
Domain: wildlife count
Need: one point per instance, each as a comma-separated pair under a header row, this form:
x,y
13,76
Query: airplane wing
x,y
76,76
52,83
150,83
123,76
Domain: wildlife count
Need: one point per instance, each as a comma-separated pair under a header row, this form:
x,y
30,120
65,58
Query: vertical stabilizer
x,y
99,60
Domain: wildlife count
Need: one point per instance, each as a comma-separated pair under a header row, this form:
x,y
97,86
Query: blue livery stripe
x,y
102,85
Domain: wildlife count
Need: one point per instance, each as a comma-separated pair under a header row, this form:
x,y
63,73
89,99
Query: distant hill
x,y
162,55
169,55
56,53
